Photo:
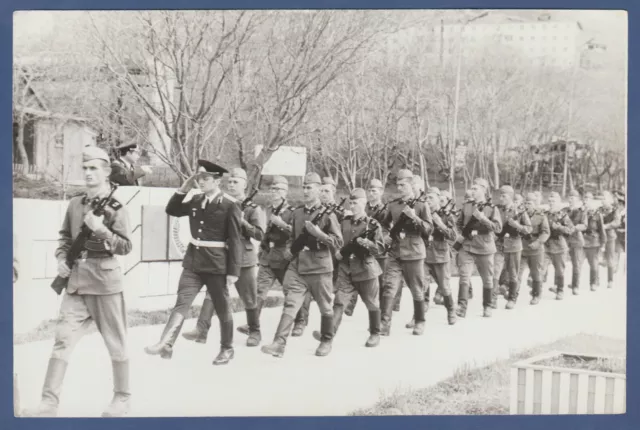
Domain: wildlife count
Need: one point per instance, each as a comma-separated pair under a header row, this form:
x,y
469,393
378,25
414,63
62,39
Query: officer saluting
x,y
94,291
309,272
123,169
213,258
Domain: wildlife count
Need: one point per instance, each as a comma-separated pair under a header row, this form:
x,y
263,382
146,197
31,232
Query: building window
x,y
533,38
555,38
521,38
566,38
566,49
508,37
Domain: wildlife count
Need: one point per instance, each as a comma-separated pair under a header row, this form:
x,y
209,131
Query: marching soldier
x,y
358,269
622,229
516,223
594,239
377,210
310,271
518,202
611,220
445,197
438,252
94,290
253,226
560,226
407,252
124,170
327,198
272,256
478,222
533,247
213,258
578,217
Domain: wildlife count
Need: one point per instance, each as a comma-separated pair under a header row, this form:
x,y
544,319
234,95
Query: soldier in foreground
x,y
124,170
253,227
533,247
578,217
213,257
310,271
358,269
478,223
94,290
560,226
407,252
594,239
272,262
515,223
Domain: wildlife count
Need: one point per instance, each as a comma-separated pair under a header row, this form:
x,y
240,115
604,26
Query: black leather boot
x,y
254,327
200,332
374,329
226,343
120,404
338,311
386,309
51,389
418,316
463,294
451,309
486,302
164,347
397,300
327,330
277,348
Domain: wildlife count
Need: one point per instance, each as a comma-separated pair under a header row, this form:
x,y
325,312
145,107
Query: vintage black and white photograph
x,y
319,212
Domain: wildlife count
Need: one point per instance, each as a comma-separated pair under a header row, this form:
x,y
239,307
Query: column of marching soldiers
x,y
322,251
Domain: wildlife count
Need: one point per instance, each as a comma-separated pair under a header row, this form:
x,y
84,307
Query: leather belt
x,y
95,254
208,243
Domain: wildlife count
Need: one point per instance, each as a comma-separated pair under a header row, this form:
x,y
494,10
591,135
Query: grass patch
x,y
595,364
484,391
137,318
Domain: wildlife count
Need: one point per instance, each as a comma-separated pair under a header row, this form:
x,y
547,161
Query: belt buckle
x,y
474,233
402,235
83,255
306,248
272,245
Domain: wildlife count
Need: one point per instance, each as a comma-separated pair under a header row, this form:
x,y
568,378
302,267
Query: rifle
x,y
77,247
395,230
448,209
506,228
555,217
248,200
376,215
468,228
353,245
300,242
338,208
270,228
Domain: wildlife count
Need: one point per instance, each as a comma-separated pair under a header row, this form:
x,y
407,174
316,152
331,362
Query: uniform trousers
x,y
190,285
534,264
611,258
558,262
267,277
593,257
367,290
76,313
508,265
484,263
440,272
576,253
412,271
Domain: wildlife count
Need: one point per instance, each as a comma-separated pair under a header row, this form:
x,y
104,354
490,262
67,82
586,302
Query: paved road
x,y
300,383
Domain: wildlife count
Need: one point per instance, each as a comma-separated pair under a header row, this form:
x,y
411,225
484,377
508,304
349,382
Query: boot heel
x,y
166,353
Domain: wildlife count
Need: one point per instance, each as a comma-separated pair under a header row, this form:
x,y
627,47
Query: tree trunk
x,y
21,148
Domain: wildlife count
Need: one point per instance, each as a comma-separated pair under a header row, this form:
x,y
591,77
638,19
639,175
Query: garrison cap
x,y
482,182
588,195
277,180
433,190
532,197
127,146
237,172
445,193
216,171
605,194
553,194
312,178
357,193
328,180
375,183
468,194
507,189
574,193
94,153
404,174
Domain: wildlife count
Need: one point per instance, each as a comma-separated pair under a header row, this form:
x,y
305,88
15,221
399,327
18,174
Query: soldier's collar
x,y
311,209
104,192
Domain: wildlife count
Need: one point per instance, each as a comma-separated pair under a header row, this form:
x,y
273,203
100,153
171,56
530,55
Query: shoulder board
x,y
252,205
228,197
373,221
80,194
114,204
300,207
347,217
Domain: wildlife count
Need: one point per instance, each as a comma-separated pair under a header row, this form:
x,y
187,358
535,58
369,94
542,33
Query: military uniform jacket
x,y
557,243
410,245
438,242
275,239
509,238
593,237
578,217
218,221
362,264
123,174
483,241
254,215
317,257
98,272
611,223
371,210
533,244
